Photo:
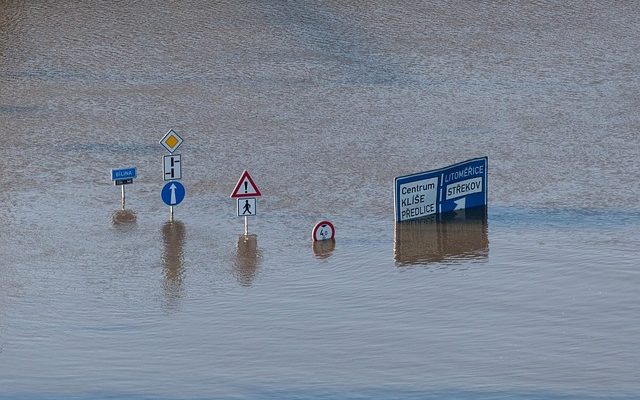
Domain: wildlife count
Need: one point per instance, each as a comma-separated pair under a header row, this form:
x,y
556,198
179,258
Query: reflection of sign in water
x,y
246,207
453,237
123,220
460,186
324,248
173,235
247,259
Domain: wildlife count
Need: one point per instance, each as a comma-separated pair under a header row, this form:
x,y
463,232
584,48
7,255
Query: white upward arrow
x,y
173,194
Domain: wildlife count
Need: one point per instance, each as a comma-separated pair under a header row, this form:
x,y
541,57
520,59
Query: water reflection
x,y
247,259
173,234
324,248
459,236
123,220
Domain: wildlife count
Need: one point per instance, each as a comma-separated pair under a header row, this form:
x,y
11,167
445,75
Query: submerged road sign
x,y
323,230
245,187
173,193
459,186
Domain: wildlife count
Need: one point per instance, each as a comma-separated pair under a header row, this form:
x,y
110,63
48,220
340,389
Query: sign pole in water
x,y
173,192
122,177
246,192
457,187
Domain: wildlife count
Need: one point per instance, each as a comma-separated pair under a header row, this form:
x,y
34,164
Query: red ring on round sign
x,y
318,234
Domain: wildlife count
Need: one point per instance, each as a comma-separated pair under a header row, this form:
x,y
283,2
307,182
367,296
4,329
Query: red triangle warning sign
x,y
245,187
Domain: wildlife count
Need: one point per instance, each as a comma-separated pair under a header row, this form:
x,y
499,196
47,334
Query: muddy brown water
x,y
324,103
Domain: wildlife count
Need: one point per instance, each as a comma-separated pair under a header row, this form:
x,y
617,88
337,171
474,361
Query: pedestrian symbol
x,y
246,207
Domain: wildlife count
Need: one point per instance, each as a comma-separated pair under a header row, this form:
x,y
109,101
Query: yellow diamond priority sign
x,y
171,141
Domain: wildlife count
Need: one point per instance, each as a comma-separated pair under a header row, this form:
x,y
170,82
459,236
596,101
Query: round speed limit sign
x,y
323,230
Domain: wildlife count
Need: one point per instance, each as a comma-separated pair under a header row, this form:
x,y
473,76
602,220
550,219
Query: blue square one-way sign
x,y
456,187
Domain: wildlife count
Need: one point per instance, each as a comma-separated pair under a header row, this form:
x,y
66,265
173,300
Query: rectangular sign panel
x,y
459,186
123,173
172,167
123,181
246,207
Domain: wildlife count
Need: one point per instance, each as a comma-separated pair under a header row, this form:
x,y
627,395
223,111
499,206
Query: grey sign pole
x,y
171,141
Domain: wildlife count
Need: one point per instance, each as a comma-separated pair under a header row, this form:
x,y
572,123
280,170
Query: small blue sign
x,y
459,186
123,173
173,193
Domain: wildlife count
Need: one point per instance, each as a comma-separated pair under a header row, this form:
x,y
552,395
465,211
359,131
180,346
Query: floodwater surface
x,y
324,103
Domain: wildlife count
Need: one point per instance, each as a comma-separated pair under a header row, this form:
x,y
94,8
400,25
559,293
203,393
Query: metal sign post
x,y
246,192
246,209
122,177
173,192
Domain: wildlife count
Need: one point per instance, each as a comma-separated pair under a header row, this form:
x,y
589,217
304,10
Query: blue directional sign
x,y
123,173
173,193
459,186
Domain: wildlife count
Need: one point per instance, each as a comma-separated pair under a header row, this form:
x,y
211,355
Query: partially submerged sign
x,y
457,187
246,192
323,230
121,177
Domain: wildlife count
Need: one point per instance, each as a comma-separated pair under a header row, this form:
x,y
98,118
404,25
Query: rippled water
x,y
324,103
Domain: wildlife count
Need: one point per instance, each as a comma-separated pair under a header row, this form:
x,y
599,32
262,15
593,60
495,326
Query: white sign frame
x,y
176,167
252,203
171,133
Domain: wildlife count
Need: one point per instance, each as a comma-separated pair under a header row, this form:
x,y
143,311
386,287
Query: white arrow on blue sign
x,y
173,193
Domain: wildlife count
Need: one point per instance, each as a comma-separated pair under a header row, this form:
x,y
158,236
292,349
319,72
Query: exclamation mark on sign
x,y
246,184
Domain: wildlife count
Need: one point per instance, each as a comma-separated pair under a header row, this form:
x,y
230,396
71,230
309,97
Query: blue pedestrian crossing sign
x,y
173,193
457,187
